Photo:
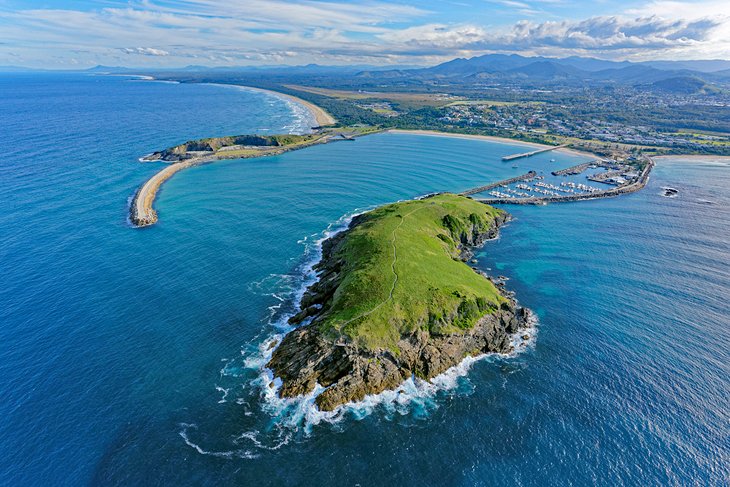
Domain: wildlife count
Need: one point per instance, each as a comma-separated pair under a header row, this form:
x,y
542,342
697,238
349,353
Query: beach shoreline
x,y
489,138
320,115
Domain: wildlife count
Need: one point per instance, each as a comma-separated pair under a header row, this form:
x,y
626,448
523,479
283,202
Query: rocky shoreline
x,y
307,356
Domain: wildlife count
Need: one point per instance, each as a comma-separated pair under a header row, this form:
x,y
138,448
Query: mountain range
x,y
688,76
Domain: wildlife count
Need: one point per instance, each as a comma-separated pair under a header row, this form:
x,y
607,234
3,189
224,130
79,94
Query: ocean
x,y
135,356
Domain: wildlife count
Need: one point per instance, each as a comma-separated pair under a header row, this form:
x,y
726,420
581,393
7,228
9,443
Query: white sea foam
x,y
225,393
240,453
414,395
143,158
303,118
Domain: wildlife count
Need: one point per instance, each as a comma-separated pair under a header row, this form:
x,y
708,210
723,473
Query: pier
x,y
505,182
533,153
605,177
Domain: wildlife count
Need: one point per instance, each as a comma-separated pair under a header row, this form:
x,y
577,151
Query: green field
x,y
403,272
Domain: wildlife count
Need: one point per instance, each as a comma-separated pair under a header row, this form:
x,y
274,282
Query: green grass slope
x,y
403,272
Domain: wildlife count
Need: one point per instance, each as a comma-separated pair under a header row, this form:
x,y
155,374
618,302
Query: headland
x,y
396,298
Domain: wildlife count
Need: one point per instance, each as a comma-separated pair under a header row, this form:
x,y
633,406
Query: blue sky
x,y
168,33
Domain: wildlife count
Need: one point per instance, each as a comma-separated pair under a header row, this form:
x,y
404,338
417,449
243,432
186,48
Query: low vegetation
x,y
403,271
214,144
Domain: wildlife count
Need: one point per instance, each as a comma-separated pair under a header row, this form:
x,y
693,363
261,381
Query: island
x,y
395,298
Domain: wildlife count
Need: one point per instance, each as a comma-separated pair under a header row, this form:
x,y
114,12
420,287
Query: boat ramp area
x,y
533,153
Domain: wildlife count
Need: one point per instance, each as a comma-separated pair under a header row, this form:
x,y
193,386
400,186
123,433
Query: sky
x,y
64,34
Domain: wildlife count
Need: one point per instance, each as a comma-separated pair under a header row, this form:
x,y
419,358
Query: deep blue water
x,y
132,357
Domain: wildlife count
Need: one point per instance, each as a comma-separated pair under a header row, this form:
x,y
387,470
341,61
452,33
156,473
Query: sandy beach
x,y
491,138
323,118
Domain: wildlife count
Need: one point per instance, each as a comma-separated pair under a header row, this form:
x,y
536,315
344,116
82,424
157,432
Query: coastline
x,y
141,213
490,138
320,115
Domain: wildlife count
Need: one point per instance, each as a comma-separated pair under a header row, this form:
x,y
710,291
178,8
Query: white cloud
x,y
599,34
145,51
254,31
438,36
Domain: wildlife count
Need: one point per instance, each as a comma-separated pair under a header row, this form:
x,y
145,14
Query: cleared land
x,y
408,99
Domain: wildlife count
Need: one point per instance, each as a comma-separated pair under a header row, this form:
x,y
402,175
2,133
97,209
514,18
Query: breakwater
x,y
533,153
628,188
504,182
141,210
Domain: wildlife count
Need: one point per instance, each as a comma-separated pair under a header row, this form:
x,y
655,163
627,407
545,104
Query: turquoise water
x,y
133,357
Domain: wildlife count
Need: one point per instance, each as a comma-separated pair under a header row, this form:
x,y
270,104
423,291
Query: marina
x,y
562,185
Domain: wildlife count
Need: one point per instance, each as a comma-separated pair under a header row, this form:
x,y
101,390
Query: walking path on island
x,y
392,267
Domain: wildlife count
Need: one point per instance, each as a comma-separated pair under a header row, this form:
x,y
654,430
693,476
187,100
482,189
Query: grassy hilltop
x,y
395,299
402,271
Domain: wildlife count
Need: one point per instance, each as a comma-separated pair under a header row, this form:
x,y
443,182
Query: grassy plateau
x,y
403,272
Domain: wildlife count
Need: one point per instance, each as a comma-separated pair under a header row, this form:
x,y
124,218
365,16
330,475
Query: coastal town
x,y
541,119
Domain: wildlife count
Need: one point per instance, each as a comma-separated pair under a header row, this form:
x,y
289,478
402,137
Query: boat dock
x,y
533,153
505,182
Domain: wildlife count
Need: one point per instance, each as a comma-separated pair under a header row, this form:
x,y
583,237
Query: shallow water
x,y
133,356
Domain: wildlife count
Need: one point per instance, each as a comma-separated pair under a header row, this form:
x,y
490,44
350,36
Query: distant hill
x,y
109,69
633,74
592,64
722,74
490,63
686,85
703,66
547,70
